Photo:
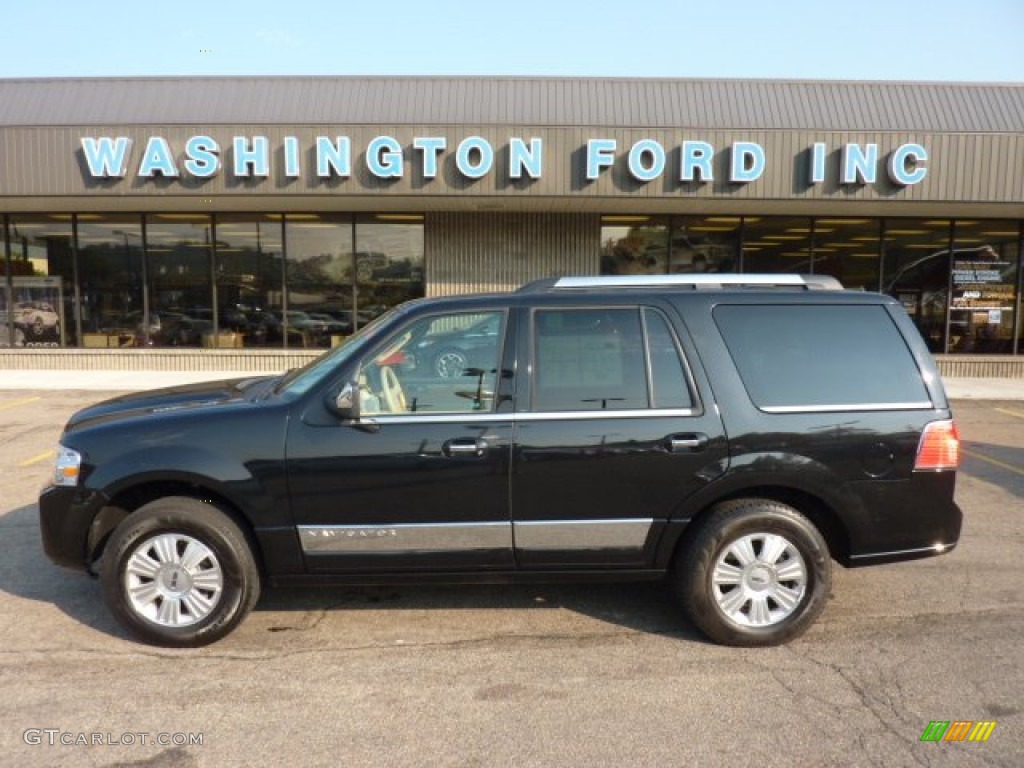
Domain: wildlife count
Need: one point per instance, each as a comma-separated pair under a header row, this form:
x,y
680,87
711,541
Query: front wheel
x,y
179,572
756,573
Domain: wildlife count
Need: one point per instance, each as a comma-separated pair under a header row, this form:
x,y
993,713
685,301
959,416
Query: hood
x,y
156,401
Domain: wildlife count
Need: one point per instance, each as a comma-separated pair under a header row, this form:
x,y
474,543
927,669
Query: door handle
x,y
464,447
687,443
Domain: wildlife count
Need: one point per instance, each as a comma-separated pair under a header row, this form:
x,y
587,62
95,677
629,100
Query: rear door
x,y
610,436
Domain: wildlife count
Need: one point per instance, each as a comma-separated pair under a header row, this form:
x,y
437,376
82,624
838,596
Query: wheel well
x,y
815,509
130,499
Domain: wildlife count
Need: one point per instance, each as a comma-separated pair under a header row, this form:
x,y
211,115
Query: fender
x,y
780,470
222,474
786,471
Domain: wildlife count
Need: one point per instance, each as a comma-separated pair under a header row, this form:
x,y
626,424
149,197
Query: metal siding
x,y
963,167
713,104
482,252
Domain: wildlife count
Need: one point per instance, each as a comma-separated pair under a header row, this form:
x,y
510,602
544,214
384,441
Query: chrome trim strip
x,y
439,418
924,405
581,534
404,539
936,549
646,413
491,418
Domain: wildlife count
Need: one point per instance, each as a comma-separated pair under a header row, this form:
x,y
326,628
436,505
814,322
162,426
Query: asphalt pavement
x,y
560,675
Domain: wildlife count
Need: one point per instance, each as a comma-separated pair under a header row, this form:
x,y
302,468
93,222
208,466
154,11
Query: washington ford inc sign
x,y
328,157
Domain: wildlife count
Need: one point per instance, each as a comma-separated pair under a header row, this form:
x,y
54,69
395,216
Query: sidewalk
x,y
128,381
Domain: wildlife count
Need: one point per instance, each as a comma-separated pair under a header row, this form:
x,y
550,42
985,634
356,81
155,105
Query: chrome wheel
x,y
759,580
173,580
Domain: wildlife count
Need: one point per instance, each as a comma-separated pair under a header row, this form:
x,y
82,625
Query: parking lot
x,y
605,675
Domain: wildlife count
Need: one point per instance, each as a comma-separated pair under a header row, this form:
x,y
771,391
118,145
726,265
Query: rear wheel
x,y
757,572
179,572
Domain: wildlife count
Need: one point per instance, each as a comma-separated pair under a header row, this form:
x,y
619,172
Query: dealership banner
x,y
32,312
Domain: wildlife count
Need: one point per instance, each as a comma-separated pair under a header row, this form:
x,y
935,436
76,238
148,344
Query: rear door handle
x,y
687,443
464,447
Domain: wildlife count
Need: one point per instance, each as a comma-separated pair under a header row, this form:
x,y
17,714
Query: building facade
x,y
286,212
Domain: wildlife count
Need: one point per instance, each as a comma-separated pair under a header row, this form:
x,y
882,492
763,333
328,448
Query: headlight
x,y
69,463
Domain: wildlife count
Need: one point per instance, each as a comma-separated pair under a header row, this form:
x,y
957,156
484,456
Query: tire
x,y
450,363
179,572
783,585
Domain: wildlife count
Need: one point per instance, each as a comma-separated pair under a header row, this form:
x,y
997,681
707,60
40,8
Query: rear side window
x,y
606,359
813,357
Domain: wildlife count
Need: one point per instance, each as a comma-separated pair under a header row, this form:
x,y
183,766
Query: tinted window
x,y
588,360
797,356
668,379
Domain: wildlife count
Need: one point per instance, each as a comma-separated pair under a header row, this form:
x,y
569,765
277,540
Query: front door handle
x,y
687,443
464,447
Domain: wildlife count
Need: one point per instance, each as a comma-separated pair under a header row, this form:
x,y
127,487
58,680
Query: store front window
x,y
777,244
704,244
634,245
389,262
320,280
38,301
111,277
638,245
982,305
178,249
250,276
848,250
344,271
916,272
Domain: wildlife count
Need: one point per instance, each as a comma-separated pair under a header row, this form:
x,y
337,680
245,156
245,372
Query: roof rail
x,y
807,282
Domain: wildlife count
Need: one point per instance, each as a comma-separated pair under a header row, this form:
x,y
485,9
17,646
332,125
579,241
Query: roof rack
x,y
709,282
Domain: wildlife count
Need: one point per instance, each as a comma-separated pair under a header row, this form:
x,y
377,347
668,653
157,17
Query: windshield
x,y
298,381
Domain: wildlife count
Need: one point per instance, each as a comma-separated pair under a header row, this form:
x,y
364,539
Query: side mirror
x,y
346,406
346,402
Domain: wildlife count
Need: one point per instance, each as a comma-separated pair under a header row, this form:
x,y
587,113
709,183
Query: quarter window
x,y
819,357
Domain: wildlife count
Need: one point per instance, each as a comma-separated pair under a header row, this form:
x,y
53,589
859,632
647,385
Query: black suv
x,y
731,434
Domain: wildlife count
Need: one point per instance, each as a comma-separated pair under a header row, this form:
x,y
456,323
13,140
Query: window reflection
x,y
634,245
848,250
917,264
249,277
389,262
110,268
320,280
704,244
179,249
777,244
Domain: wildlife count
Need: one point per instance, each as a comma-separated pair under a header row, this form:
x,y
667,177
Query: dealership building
x,y
274,215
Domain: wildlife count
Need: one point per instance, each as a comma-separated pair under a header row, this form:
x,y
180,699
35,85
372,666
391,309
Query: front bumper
x,y
65,518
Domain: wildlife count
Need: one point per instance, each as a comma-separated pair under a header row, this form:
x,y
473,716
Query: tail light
x,y
939,447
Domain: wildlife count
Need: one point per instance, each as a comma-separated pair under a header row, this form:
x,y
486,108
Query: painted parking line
x,y
996,462
1011,412
16,403
36,459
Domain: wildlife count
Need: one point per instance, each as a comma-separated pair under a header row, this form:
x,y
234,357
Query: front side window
x,y
607,359
439,364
